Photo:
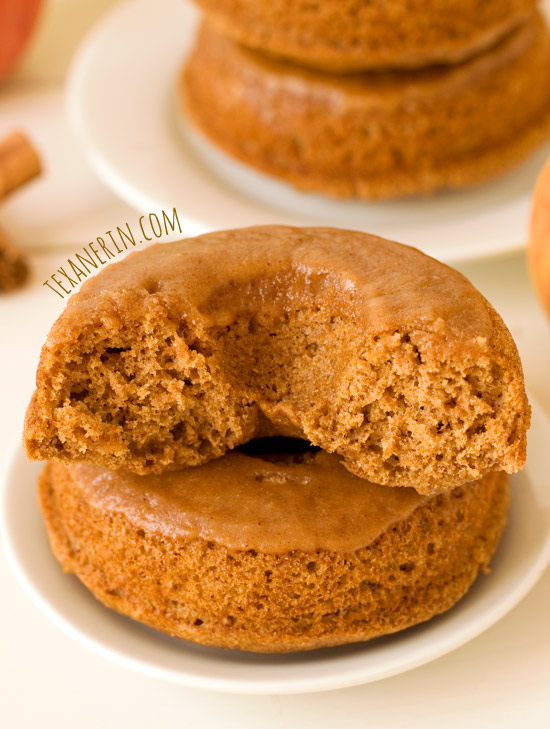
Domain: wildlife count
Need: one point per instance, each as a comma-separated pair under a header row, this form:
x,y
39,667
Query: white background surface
x,y
501,679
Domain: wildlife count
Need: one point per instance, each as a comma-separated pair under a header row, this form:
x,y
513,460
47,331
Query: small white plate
x,y
121,101
521,558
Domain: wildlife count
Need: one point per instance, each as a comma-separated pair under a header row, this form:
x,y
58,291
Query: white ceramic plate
x,y
121,100
520,560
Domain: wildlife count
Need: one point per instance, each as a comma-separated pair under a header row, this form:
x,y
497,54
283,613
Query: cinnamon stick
x,y
19,162
14,269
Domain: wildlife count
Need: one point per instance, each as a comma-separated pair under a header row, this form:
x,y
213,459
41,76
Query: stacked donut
x,y
354,98
304,447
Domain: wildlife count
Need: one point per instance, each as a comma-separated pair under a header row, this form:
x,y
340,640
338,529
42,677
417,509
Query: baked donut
x,y
273,557
361,346
352,35
377,135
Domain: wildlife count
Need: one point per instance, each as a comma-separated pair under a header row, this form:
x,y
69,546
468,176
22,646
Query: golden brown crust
x,y
364,347
203,591
372,135
350,35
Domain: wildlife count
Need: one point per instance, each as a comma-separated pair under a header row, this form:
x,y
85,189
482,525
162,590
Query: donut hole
x,y
279,449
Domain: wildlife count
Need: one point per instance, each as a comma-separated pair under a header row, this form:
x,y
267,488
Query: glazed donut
x,y
351,35
270,556
377,135
359,345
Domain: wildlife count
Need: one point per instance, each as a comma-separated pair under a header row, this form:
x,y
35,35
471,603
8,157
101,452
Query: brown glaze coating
x,y
351,35
200,580
362,346
377,135
245,502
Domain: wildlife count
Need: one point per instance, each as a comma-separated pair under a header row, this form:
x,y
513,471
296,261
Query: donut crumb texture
x,y
151,396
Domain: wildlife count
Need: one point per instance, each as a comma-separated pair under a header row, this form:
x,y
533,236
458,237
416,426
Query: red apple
x,y
538,249
17,19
